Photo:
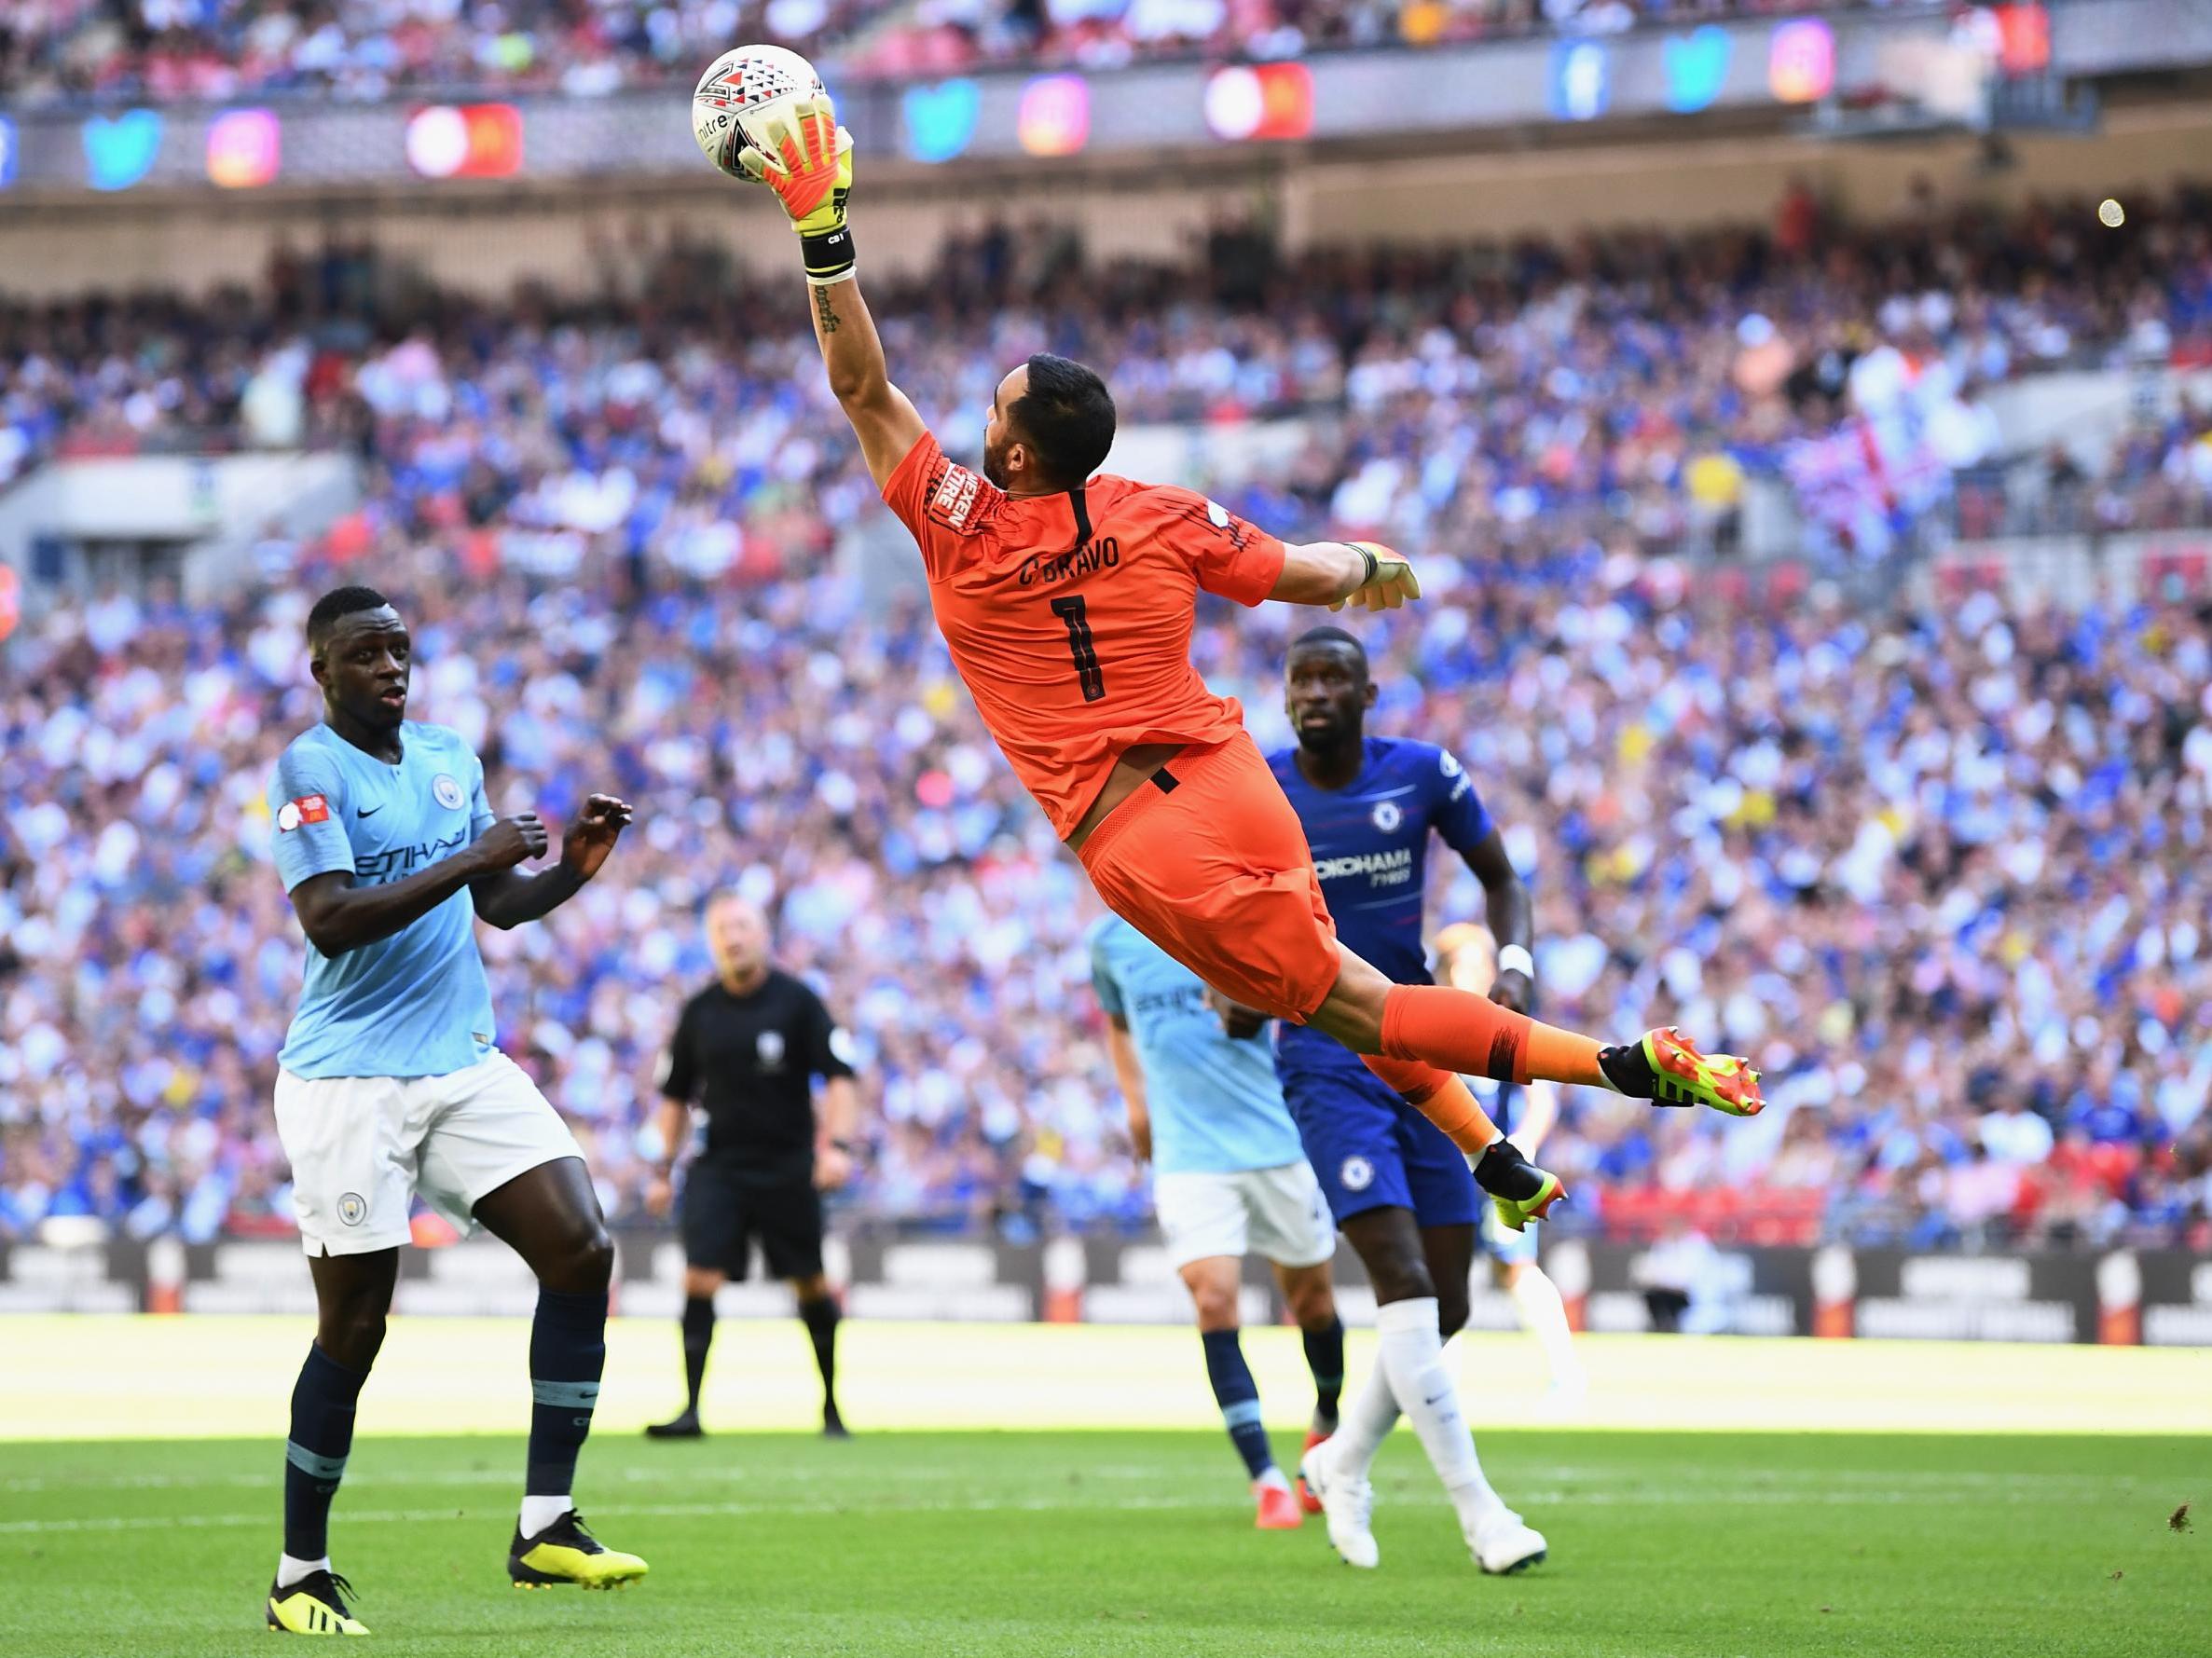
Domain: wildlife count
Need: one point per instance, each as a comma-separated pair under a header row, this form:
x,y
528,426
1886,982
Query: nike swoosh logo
x,y
1437,1400
366,811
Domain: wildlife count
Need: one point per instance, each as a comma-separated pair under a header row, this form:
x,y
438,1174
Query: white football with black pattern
x,y
740,84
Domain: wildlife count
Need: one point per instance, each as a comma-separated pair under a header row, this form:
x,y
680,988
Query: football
x,y
737,85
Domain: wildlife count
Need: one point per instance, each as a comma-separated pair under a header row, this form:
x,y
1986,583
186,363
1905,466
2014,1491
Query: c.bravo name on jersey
x,y
1104,553
1393,866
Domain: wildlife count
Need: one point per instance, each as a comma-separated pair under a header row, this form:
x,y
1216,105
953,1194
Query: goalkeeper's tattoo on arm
x,y
883,418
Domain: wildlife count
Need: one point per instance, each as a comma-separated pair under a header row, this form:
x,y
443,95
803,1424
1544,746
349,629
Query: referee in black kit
x,y
748,1049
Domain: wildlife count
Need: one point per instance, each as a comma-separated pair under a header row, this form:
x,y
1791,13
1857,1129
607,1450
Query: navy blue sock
x,y
1237,1395
1324,1358
315,1454
568,1353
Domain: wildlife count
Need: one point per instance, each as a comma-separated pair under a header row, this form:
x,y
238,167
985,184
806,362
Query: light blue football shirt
x,y
416,1003
1216,1108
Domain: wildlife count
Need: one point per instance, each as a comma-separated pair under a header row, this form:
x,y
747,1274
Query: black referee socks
x,y
820,1318
699,1335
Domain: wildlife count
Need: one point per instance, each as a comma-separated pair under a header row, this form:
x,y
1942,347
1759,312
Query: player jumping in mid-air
x,y
1068,601
1206,1112
1399,1189
388,1084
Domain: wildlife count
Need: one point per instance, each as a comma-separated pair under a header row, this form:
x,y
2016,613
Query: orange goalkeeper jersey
x,y
1069,616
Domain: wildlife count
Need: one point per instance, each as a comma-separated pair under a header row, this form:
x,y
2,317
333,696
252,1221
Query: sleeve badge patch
x,y
308,808
955,497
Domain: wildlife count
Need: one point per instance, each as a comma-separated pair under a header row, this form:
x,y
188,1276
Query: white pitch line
x,y
1674,1497
388,1474
674,1511
1752,1479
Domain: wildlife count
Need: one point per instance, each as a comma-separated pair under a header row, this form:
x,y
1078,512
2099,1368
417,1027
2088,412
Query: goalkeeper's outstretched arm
x,y
883,418
1337,573
800,152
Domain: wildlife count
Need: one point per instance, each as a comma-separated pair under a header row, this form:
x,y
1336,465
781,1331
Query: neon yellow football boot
x,y
1681,1075
1518,1214
567,1553
315,1605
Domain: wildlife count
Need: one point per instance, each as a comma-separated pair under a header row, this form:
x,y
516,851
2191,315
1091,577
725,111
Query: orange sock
x,y
1457,1030
1563,1056
1441,1097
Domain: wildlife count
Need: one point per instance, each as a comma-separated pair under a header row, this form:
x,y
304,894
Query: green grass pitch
x,y
1132,1542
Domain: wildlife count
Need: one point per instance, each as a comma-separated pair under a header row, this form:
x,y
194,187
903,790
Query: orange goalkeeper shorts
x,y
1208,861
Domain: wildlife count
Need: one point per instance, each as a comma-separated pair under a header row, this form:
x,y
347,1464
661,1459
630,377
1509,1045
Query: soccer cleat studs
x,y
1683,1077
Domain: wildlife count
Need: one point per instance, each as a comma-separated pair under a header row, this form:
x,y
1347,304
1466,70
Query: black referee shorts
x,y
726,1208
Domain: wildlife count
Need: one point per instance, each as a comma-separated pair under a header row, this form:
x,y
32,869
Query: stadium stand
x,y
1625,384
184,49
1957,839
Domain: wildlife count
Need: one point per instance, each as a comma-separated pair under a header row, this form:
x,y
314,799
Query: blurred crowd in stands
x,y
1941,867
210,50
1631,386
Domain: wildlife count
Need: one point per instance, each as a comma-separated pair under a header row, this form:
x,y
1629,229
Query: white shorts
x,y
1278,1213
361,1146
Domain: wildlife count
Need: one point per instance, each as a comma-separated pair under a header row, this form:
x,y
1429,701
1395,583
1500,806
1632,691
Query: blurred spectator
x,y
1680,1283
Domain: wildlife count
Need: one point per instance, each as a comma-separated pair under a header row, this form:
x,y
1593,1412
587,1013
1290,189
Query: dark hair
x,y
1066,415
338,602
1328,635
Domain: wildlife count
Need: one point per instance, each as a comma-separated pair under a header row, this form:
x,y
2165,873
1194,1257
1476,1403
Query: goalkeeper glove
x,y
808,162
1390,581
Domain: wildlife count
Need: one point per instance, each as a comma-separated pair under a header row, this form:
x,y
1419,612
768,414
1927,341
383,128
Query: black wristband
x,y
828,257
1374,564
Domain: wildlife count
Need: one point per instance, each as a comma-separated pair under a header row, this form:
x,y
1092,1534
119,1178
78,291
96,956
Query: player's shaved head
x,y
1051,424
1327,691
1328,635
360,654
338,604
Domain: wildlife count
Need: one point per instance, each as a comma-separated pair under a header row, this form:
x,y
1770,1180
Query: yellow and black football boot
x,y
315,1605
567,1553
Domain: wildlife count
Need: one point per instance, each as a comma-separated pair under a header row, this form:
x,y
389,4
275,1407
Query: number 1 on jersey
x,y
1088,673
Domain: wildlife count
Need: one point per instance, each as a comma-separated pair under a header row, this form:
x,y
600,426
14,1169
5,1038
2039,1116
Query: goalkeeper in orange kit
x,y
1067,598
